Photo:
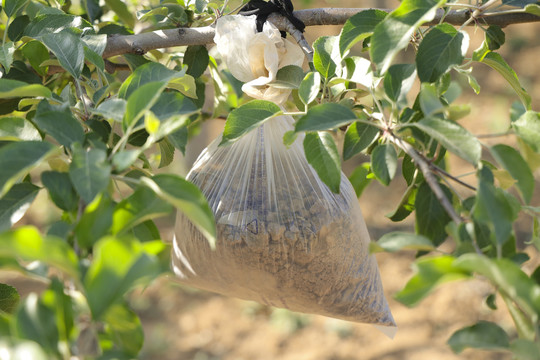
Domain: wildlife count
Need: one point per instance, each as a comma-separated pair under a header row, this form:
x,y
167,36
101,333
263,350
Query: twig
x,y
424,166
142,43
452,177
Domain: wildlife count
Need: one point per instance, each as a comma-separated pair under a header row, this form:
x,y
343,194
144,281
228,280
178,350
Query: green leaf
x,y
15,128
185,84
397,240
59,123
179,139
309,87
510,280
357,138
321,153
196,58
95,222
394,32
497,209
325,57
118,266
398,81
525,349
187,198
36,53
120,8
482,335
533,9
324,117
125,158
430,103
44,24
149,72
126,329
69,50
384,163
442,47
17,158
15,202
359,178
26,243
528,129
89,172
9,298
60,189
431,217
512,161
141,206
429,273
96,59
11,7
358,27
15,89
288,77
37,321
113,108
6,55
141,100
246,118
495,37
453,137
406,204
496,62
359,70
166,150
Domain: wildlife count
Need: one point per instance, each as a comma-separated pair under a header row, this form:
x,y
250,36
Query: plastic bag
x,y
284,238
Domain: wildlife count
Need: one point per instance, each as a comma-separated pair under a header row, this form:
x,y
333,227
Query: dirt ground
x,y
182,323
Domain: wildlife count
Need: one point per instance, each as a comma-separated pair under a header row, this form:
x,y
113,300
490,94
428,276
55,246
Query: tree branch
x,y
141,43
424,166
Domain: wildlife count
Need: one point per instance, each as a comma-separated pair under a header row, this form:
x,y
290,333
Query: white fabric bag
x,y
284,238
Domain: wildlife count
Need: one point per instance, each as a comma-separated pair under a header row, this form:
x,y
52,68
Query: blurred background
x,y
185,323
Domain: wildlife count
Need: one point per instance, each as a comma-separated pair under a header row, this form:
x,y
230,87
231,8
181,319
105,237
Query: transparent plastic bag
x,y
284,238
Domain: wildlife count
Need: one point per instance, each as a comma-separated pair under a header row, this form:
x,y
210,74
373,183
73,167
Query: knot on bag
x,y
255,57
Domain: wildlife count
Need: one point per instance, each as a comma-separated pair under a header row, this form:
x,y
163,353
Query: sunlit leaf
x,y
309,87
397,240
15,202
247,117
15,89
15,128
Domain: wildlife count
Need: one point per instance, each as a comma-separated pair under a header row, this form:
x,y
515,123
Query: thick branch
x,y
141,43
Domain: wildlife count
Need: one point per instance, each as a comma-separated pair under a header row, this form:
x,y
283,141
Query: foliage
x,y
91,135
